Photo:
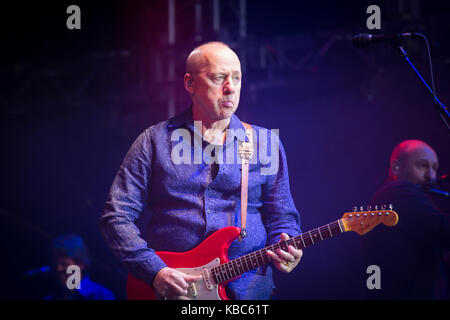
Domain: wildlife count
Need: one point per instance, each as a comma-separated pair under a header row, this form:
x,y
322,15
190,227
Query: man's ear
x,y
189,83
395,167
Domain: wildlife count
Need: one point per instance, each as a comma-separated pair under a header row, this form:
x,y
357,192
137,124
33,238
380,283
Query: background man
x,y
410,256
70,250
185,203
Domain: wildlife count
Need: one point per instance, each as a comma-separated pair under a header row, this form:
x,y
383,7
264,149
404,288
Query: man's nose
x,y
229,87
432,174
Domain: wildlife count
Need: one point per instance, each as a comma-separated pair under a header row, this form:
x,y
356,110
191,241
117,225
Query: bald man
x,y
410,255
186,201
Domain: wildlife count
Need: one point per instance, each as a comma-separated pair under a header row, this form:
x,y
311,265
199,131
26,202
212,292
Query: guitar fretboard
x,y
238,266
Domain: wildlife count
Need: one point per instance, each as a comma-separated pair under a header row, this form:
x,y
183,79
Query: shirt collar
x,y
185,119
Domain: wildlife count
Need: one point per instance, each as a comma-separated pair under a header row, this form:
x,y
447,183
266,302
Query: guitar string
x,y
292,240
230,267
239,262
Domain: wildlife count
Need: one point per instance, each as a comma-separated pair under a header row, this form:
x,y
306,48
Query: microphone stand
x,y
443,111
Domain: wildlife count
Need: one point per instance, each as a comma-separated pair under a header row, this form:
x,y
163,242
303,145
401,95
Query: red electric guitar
x,y
210,258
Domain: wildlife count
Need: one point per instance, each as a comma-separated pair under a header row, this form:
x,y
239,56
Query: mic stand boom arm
x,y
443,111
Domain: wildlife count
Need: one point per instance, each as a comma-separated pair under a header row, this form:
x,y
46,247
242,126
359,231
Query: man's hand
x,y
173,284
285,261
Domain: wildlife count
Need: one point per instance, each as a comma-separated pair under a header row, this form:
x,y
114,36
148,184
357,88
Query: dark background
x,y
73,101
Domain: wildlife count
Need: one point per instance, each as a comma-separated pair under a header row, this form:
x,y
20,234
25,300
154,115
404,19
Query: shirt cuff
x,y
146,269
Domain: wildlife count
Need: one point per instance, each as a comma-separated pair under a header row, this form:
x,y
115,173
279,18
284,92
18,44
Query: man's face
x,y
217,86
420,166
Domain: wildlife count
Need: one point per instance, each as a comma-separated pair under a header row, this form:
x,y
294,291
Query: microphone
x,y
432,187
438,181
365,40
444,177
438,192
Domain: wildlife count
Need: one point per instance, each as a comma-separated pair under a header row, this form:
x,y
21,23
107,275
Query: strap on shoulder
x,y
246,153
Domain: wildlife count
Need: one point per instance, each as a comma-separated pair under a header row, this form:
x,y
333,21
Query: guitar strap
x,y
245,153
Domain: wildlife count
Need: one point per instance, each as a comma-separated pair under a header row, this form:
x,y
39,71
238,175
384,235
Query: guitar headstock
x,y
362,221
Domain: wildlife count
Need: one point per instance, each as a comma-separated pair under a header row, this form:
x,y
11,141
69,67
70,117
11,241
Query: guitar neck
x,y
238,266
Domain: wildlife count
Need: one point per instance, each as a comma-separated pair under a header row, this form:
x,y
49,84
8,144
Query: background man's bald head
x,y
404,149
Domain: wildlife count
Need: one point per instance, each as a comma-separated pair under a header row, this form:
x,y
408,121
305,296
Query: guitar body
x,y
198,261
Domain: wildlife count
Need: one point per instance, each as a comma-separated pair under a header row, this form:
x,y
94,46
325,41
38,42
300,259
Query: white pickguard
x,y
205,289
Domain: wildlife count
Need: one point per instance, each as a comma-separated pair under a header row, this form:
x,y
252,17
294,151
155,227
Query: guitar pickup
x,y
192,290
207,278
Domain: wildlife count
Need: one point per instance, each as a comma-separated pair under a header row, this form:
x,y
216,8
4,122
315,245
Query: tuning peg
x,y
361,208
355,208
369,208
376,208
391,207
383,207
